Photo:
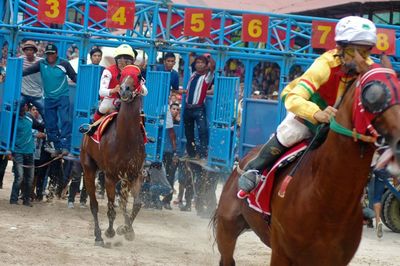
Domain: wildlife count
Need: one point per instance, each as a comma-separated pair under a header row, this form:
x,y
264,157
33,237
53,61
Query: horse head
x,y
376,108
131,83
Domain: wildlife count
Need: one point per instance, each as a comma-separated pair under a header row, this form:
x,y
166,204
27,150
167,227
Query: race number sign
x,y
254,28
386,42
120,14
323,36
52,11
197,22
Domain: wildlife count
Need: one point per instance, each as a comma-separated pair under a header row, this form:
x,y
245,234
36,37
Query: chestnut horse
x,y
120,155
319,220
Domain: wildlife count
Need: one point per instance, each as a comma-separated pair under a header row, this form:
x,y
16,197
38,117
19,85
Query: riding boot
x,y
89,130
267,155
145,137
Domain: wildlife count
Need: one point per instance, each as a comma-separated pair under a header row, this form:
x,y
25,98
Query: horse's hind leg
x,y
228,230
111,214
89,170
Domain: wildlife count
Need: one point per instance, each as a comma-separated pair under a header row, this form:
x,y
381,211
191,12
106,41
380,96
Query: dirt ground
x,y
52,234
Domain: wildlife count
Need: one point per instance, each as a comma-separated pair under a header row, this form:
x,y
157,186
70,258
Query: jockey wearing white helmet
x,y
310,98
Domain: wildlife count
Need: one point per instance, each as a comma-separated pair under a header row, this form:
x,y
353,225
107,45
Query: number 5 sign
x,y
52,11
255,28
197,22
120,14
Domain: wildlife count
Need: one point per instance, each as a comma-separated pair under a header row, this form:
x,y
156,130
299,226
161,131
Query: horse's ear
x,y
385,61
361,64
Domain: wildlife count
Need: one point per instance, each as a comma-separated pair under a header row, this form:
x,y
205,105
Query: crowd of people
x,y
42,163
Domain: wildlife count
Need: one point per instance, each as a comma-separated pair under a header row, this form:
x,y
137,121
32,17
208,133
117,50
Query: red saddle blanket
x,y
259,198
96,137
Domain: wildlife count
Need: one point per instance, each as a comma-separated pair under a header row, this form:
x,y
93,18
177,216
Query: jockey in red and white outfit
x,y
310,98
110,81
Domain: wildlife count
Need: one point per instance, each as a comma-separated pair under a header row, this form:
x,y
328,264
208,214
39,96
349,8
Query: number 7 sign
x,y
120,14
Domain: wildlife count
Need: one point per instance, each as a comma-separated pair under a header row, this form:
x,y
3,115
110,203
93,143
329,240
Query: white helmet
x,y
355,30
124,49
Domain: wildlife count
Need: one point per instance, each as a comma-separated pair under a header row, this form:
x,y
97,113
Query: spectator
x,y
23,155
3,166
32,87
169,63
170,158
195,112
175,113
54,72
76,178
96,55
157,185
378,183
40,155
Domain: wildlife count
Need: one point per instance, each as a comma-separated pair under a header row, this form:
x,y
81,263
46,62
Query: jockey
x,y
111,78
310,98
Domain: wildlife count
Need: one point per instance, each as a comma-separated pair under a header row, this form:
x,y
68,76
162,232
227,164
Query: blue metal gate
x,y
10,95
155,109
222,124
86,100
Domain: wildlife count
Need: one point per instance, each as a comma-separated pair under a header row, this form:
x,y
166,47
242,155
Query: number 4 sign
x,y
52,11
120,14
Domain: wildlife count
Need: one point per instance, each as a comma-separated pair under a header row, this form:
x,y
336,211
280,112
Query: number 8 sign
x,y
52,11
120,14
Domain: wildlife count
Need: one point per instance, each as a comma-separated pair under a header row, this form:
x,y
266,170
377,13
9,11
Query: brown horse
x,y
120,155
319,220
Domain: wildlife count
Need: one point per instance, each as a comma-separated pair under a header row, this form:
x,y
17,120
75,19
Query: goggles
x,y
364,52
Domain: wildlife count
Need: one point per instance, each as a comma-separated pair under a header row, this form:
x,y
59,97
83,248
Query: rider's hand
x,y
325,115
116,89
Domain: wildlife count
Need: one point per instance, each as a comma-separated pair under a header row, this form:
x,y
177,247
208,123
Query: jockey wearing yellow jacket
x,y
310,98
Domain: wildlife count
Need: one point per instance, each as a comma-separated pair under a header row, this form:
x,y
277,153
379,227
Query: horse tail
x,y
213,226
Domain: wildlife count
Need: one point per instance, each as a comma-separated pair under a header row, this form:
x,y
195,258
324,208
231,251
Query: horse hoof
x,y
130,236
122,229
110,233
99,243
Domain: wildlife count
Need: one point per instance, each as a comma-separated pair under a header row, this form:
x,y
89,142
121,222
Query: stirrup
x,y
249,180
85,128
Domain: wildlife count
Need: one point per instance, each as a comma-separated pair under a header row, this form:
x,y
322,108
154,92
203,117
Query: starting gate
x,y
162,26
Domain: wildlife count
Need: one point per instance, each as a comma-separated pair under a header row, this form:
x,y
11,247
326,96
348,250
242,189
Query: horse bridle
x,y
373,97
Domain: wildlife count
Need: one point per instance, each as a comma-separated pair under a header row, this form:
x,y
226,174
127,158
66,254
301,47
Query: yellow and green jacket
x,y
320,86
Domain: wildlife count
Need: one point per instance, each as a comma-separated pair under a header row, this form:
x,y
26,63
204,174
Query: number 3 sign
x,y
120,14
52,11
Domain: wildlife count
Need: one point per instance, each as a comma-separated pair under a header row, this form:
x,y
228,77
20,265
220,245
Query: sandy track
x,y
51,234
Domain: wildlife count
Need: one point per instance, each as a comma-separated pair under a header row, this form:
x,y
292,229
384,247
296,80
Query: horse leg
x,y
228,225
111,214
125,188
137,204
89,170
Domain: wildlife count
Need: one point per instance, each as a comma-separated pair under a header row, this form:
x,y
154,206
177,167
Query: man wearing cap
x,y
32,87
54,72
310,98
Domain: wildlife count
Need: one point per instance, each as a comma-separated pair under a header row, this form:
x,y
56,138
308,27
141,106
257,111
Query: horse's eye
x,y
375,97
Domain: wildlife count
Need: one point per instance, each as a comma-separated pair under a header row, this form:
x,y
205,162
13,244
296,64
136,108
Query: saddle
x,y
101,125
259,198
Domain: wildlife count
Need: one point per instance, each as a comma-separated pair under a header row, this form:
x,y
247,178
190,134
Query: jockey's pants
x,y
107,105
292,131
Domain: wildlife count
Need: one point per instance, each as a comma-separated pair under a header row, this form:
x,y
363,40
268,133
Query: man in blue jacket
x,y
54,72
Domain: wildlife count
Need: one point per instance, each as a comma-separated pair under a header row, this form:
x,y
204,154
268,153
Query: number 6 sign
x,y
255,28
120,14
52,11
